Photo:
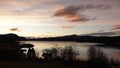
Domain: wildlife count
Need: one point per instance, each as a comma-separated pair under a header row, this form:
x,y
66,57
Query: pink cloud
x,y
115,27
67,27
73,13
70,13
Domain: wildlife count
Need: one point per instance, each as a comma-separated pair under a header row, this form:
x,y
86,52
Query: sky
x,y
49,18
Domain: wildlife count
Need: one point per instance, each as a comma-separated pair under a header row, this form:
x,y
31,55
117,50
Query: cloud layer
x,y
73,13
111,33
21,7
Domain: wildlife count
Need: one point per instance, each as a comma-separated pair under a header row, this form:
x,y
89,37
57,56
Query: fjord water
x,y
81,47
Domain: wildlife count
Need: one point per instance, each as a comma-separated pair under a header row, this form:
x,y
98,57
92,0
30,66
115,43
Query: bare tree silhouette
x,y
97,58
95,54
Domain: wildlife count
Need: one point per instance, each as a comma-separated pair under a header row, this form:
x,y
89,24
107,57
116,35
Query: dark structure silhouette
x,y
31,54
11,48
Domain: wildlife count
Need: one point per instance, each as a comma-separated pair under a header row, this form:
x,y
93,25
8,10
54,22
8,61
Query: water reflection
x,y
82,47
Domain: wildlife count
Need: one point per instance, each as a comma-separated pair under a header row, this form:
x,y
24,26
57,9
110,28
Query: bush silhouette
x,y
50,53
96,54
68,53
97,58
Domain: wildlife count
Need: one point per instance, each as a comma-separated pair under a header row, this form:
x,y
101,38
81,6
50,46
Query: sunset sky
x,y
46,18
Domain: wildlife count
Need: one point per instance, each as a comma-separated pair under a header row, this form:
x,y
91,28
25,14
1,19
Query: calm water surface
x,y
81,47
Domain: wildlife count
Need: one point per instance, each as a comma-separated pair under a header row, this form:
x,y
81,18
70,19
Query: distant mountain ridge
x,y
8,38
80,38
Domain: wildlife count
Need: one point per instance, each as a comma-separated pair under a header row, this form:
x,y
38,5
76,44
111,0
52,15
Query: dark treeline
x,y
96,58
79,38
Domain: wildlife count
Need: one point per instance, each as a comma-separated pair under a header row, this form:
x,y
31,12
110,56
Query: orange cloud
x,y
14,29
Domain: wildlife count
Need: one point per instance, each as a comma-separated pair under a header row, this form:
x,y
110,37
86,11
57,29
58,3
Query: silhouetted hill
x,y
80,38
10,38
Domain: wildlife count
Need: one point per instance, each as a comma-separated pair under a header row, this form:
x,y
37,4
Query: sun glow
x,y
8,20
